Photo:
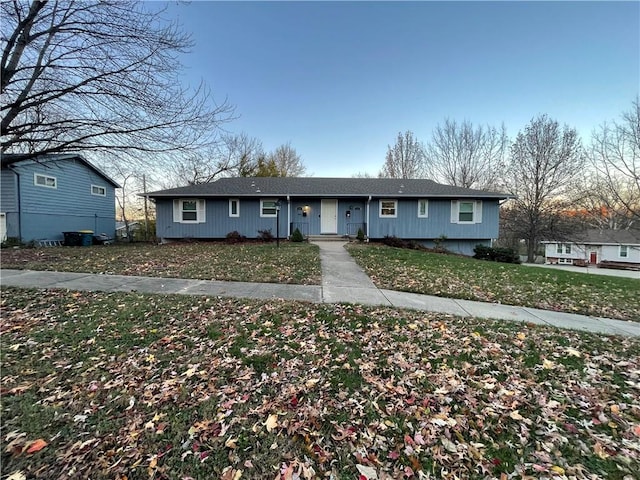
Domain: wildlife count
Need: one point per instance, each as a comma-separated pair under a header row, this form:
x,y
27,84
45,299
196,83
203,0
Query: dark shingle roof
x,y
611,237
322,187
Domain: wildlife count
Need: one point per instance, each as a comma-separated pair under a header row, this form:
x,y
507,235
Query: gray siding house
x,y
43,197
413,209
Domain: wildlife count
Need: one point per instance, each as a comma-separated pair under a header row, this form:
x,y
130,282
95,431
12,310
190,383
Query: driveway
x,y
594,270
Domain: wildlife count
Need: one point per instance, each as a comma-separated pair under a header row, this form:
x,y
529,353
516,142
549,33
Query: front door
x,y
328,216
593,258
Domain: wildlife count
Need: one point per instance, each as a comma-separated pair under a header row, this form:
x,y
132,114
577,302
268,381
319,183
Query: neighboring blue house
x,y
406,208
43,197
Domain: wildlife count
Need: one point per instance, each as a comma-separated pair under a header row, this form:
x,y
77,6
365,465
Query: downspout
x,y
288,216
368,224
19,200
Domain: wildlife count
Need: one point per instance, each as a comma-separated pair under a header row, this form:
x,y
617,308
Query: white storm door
x,y
328,216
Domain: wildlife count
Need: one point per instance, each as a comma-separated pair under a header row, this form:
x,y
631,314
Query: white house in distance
x,y
604,248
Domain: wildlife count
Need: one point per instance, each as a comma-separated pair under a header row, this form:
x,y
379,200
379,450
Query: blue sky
x,y
339,80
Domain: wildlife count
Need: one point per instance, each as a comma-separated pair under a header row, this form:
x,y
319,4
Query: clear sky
x,y
339,80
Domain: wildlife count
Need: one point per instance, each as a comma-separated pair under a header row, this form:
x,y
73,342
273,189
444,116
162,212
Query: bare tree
x,y
284,161
98,76
233,155
466,156
597,202
405,159
615,156
545,160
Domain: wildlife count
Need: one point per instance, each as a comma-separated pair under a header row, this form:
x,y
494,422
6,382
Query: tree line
x,y
558,185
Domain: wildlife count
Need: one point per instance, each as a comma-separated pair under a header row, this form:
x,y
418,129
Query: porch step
x,y
328,238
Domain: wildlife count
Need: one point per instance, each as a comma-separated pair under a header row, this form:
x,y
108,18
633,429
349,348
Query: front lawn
x,y
125,385
466,278
297,263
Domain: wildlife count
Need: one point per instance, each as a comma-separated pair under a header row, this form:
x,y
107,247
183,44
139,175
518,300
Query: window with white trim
x,y
45,181
466,211
234,207
388,208
189,210
268,208
563,248
624,251
99,190
423,208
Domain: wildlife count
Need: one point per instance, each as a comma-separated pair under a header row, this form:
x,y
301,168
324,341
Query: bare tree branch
x,y
100,76
405,159
615,156
466,156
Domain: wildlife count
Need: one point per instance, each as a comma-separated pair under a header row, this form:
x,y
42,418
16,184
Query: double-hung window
x,y
268,208
189,210
567,248
48,181
624,251
466,211
388,208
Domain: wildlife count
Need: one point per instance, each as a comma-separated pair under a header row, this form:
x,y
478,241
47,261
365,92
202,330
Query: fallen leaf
x,y
272,422
449,445
18,475
573,352
369,473
515,415
37,446
548,364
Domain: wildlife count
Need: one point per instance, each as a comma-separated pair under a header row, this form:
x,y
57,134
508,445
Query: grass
x,y
295,263
466,278
128,385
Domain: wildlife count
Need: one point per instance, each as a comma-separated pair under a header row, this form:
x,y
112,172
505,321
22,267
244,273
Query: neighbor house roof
x,y
323,187
8,159
603,237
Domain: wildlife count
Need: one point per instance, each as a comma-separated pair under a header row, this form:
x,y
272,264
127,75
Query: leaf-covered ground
x,y
296,263
454,276
117,385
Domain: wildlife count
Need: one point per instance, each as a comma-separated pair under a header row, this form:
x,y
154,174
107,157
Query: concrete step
x,y
328,238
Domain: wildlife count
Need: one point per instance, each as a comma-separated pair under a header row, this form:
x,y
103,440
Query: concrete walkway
x,y
342,281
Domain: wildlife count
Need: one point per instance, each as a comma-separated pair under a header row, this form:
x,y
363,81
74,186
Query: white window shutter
x,y
478,213
202,214
454,211
176,211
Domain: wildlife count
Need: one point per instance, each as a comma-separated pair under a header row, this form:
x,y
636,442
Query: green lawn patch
x,y
127,385
454,276
296,263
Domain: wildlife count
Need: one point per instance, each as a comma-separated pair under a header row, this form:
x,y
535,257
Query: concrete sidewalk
x,y
342,281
